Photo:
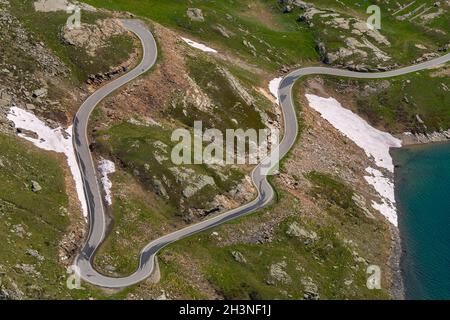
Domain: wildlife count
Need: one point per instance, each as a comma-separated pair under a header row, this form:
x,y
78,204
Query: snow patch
x,y
106,168
198,45
58,140
374,142
385,189
273,88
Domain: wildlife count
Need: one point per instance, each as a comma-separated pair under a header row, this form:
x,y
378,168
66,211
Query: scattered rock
x,y
159,188
40,93
278,274
310,291
163,296
195,14
27,269
19,230
223,31
309,237
239,257
287,9
36,254
35,186
348,282
110,268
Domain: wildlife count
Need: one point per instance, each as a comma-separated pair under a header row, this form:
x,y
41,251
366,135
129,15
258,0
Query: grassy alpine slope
x,y
260,32
253,31
408,33
80,63
32,224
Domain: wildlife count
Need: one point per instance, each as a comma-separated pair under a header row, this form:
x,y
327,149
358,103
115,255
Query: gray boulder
x,y
35,186
239,257
195,14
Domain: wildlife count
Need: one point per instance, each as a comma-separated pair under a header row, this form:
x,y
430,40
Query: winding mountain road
x,y
96,214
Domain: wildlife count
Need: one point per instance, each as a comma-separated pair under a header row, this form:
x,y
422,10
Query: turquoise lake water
x,y
422,176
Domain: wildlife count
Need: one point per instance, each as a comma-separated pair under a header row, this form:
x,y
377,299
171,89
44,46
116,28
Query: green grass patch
x,y
32,220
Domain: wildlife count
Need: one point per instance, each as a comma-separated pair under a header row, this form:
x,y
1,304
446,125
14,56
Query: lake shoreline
x,y
397,285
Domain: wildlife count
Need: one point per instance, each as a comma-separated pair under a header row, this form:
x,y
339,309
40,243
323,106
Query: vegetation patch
x,y
33,220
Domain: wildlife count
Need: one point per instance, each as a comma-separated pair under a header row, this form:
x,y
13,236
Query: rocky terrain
x,y
28,69
92,37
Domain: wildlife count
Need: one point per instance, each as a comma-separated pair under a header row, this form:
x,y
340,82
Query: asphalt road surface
x,y
96,214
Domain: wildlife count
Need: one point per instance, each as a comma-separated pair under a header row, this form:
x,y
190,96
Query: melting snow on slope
x,y
374,142
385,189
57,140
198,45
273,87
106,167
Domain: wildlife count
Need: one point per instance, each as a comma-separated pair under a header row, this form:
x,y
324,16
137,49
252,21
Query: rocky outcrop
x,y
92,37
310,291
9,290
50,5
278,274
96,79
361,42
239,257
409,138
223,31
35,254
28,269
425,57
308,237
195,14
191,181
35,186
237,86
